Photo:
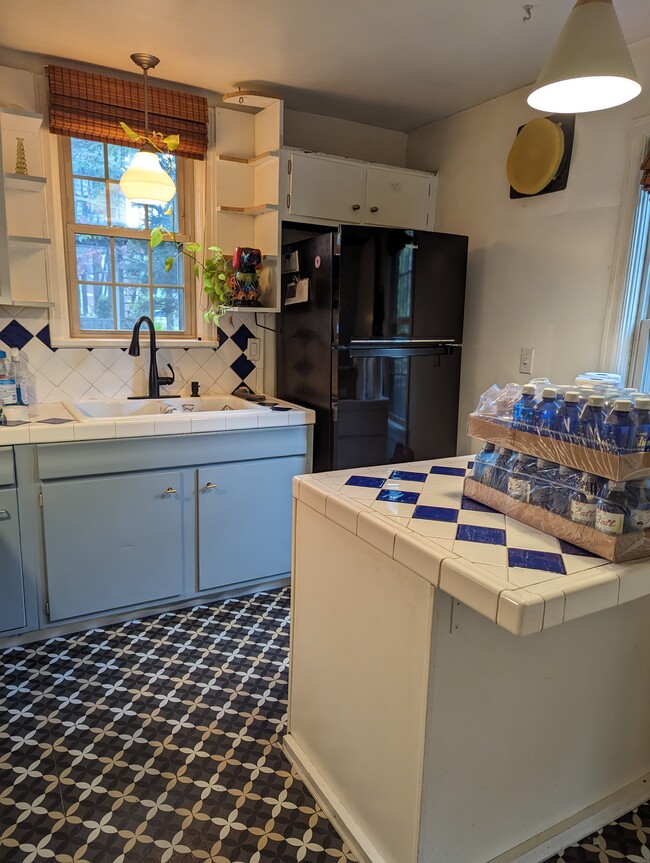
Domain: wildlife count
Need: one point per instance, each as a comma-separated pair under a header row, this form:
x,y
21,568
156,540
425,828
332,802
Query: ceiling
x,y
393,63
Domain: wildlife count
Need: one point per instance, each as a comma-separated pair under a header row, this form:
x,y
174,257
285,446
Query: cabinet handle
x,y
356,206
210,485
170,490
374,209
4,513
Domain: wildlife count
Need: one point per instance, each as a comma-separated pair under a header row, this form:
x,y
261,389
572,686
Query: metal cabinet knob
x,y
170,490
374,209
356,206
210,485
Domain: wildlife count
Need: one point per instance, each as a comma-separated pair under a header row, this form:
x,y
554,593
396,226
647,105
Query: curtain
x,y
85,105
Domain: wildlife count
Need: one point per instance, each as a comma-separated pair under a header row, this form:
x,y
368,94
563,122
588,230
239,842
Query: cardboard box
x,y
627,546
594,461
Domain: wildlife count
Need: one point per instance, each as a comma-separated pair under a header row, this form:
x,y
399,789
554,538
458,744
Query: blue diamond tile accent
x,y
568,548
528,559
222,338
241,337
242,366
396,496
475,533
448,471
15,335
468,503
470,465
409,475
44,336
436,513
366,481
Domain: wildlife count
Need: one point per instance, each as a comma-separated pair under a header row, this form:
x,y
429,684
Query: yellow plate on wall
x,y
536,156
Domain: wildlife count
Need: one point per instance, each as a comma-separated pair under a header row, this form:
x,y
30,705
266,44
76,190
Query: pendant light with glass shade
x,y
590,68
145,181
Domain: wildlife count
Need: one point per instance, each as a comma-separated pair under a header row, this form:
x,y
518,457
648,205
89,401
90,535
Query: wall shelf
x,y
254,160
23,242
31,304
24,183
249,211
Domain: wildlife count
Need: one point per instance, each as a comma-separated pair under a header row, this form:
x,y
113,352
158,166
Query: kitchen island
x,y
463,688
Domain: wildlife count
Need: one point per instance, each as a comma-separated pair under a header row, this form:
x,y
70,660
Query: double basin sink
x,y
96,409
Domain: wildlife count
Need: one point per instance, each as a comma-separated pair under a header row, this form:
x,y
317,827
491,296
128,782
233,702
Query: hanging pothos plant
x,y
213,270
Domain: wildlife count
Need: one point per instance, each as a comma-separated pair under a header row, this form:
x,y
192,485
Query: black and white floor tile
x,y
158,740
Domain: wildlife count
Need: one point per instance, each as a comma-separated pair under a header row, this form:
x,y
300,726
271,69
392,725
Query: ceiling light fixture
x,y
590,68
145,181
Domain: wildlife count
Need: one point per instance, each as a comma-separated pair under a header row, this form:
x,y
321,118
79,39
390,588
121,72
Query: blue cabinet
x,y
244,520
112,541
12,599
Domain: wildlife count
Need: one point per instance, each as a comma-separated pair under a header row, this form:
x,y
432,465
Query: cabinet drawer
x,y
112,541
12,600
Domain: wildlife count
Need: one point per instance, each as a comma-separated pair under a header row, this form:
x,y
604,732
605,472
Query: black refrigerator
x,y
370,338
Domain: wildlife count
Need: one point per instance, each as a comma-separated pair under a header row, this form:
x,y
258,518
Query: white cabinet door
x,y
400,199
326,188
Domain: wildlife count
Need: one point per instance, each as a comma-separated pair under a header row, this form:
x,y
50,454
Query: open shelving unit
x,y
247,190
24,239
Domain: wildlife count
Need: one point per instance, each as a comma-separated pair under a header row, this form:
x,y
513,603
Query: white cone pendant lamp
x,y
145,181
590,68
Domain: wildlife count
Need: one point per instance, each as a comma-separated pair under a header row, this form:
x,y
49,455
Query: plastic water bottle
x,y
641,419
483,460
639,505
8,391
24,381
564,486
524,408
498,475
542,493
567,418
582,503
618,428
521,479
591,422
612,509
545,411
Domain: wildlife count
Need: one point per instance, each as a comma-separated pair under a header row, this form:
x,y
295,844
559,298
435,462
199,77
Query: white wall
x,y
539,268
344,138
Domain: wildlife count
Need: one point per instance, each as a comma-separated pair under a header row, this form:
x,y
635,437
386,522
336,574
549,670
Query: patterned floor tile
x,y
159,740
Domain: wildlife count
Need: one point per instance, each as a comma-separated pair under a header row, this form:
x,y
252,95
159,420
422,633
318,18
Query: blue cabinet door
x,y
112,541
244,517
12,600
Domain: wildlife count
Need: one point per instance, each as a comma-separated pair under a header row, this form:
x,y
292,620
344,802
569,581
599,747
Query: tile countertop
x,y
53,423
518,577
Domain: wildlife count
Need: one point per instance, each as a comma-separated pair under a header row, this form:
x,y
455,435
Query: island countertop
x,y
520,578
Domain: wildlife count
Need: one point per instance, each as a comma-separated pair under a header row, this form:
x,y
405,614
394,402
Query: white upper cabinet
x,y
330,190
398,198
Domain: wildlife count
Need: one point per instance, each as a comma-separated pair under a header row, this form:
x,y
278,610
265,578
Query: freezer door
x,y
400,284
394,407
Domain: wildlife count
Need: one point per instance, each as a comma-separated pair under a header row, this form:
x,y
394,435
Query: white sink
x,y
92,409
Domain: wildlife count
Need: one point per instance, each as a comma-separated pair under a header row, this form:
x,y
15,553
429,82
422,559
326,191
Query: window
x,y
113,274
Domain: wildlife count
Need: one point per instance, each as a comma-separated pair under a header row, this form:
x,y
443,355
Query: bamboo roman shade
x,y
645,176
83,105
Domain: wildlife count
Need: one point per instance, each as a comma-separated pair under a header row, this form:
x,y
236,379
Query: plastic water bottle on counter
x,y
582,503
524,408
545,411
612,509
521,479
542,493
639,504
565,484
591,422
483,461
567,418
8,389
497,477
618,428
641,419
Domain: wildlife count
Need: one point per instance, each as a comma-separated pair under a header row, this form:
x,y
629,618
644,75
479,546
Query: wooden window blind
x,y
84,105
645,176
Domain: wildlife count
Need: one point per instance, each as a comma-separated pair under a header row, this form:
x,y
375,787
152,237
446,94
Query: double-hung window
x,y
113,275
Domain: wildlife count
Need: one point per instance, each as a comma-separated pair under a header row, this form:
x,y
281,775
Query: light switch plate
x,y
526,361
253,349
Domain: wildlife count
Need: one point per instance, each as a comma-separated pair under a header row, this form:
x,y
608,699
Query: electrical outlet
x,y
526,361
253,349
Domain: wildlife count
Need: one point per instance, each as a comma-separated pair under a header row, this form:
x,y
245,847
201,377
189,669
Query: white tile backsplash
x,y
74,373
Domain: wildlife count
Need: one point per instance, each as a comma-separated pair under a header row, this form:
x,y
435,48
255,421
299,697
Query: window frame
x,y
184,203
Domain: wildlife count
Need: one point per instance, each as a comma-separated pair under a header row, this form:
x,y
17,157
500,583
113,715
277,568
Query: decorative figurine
x,y
244,283
21,161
